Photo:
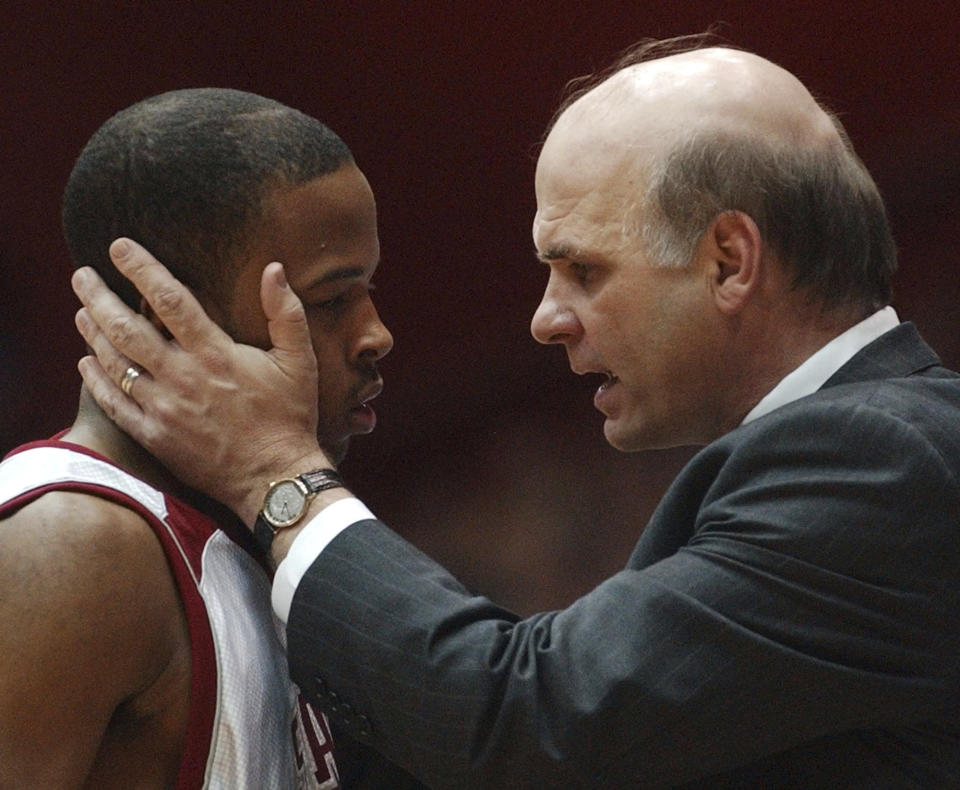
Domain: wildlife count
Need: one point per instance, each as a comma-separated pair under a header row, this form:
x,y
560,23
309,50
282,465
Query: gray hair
x,y
818,209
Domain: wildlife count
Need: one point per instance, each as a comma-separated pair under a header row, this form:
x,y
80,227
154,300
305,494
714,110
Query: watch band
x,y
263,533
322,480
315,481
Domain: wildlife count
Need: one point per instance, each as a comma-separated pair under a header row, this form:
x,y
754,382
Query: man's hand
x,y
225,418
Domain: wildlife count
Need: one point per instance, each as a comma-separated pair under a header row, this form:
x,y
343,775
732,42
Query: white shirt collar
x,y
814,372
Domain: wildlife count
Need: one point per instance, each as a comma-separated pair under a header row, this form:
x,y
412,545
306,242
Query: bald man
x,y
788,618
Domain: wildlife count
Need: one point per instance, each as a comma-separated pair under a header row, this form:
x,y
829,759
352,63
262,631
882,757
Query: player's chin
x,y
336,449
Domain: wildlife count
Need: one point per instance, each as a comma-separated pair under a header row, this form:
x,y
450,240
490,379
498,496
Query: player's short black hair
x,y
185,174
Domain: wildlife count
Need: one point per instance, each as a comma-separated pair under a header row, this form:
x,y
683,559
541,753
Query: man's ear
x,y
734,251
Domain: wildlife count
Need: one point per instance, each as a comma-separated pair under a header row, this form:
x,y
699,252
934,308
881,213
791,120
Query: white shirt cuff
x,y
312,540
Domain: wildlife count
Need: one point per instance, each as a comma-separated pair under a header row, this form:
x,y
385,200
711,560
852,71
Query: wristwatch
x,y
288,499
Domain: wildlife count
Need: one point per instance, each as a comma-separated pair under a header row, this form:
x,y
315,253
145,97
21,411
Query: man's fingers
x,y
112,361
110,327
286,321
172,302
123,410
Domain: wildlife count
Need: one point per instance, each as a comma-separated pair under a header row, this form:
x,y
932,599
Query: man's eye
x,y
580,270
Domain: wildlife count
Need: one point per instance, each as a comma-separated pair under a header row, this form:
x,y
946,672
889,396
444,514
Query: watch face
x,y
285,503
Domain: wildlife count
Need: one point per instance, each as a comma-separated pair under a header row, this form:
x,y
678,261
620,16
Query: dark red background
x,y
489,454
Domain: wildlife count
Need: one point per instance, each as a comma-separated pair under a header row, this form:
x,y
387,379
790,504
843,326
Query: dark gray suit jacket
x,y
790,617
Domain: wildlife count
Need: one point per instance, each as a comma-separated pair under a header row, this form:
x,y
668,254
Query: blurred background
x,y
489,454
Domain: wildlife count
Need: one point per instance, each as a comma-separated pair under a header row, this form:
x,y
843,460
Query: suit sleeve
x,y
813,593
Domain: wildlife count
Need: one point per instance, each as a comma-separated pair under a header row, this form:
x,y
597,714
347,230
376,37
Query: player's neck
x,y
94,430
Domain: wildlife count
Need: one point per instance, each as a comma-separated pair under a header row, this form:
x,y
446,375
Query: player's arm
x,y
87,612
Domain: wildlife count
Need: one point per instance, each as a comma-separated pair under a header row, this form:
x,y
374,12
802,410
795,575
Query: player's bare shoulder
x,y
95,661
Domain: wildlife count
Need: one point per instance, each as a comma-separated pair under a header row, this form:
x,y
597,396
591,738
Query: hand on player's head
x,y
224,417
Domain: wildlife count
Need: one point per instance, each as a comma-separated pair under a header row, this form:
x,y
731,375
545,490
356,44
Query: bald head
x,y
682,138
634,119
716,89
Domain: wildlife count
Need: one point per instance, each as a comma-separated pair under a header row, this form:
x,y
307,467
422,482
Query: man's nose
x,y
554,321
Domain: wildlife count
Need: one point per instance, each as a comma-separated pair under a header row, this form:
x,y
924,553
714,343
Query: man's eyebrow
x,y
562,252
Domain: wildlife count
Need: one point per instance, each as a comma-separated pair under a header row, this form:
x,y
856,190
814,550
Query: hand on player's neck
x,y
94,430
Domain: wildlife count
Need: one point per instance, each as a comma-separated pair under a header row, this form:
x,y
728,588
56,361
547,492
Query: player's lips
x,y
362,417
369,393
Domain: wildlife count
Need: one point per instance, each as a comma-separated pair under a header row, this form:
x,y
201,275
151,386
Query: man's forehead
x,y
584,171
603,137
566,226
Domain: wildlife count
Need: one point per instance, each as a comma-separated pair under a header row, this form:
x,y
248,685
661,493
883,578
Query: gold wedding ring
x,y
131,375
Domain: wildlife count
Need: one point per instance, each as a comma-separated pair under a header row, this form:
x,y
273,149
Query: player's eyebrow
x,y
338,274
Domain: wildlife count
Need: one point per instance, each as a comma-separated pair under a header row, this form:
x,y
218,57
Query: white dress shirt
x,y
803,381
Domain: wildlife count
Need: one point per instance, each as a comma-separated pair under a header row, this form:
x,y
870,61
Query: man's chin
x,y
615,438
632,438
627,438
